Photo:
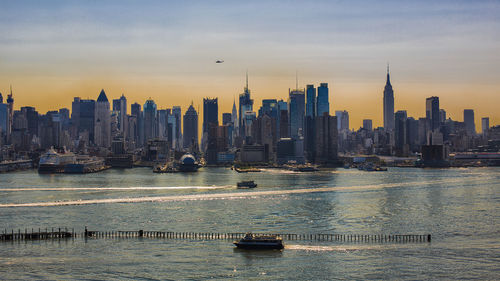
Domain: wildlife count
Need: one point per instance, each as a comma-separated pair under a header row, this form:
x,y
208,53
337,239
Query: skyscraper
x,y
296,108
326,142
388,104
190,133
120,107
322,102
246,104
138,131
400,131
87,119
4,121
150,122
210,113
102,126
342,120
485,125
176,112
469,121
311,101
367,124
432,112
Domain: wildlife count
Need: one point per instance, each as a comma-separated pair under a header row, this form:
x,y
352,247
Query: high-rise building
x,y
388,104
442,115
138,131
4,122
296,111
150,122
310,101
87,119
367,124
326,142
102,127
176,112
400,133
246,104
226,118
432,112
342,120
322,102
162,123
485,125
120,107
469,121
10,104
190,133
283,126
210,113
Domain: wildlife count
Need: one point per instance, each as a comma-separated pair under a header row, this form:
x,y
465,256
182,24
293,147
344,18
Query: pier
x,y
65,233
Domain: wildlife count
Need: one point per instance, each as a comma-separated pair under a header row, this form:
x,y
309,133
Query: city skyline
x,y
59,50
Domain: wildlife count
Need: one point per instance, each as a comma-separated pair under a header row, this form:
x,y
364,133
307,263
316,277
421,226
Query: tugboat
x,y
252,241
246,184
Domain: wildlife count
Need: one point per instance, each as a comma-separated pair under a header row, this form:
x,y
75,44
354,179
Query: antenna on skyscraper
x,y
247,80
296,80
387,67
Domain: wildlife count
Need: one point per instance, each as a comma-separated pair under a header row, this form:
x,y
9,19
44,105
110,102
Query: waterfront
x,y
460,207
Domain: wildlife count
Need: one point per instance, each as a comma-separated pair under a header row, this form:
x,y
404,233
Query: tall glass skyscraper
x,y
322,103
150,128
296,108
210,113
432,112
311,101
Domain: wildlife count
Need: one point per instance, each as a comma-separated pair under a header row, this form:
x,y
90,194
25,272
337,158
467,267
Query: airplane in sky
x,y
219,61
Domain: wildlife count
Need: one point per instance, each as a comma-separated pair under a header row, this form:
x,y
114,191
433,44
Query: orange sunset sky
x,y
55,51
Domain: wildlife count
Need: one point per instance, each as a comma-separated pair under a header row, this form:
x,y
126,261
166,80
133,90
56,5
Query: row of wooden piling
x,y
60,233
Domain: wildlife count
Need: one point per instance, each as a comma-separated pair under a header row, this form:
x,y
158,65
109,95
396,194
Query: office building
x,y
296,112
190,134
322,100
469,122
388,104
102,135
149,120
246,105
210,113
485,125
310,101
367,124
432,113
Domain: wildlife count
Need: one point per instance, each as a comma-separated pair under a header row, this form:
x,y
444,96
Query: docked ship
x,y
54,162
86,164
252,241
246,184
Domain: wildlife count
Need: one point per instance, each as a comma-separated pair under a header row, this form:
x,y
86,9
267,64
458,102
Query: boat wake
x,y
235,195
114,188
339,248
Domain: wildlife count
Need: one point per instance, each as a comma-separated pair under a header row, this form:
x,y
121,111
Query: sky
x,y
52,51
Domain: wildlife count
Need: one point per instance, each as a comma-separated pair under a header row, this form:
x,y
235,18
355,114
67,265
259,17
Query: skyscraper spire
x,y
247,81
388,76
296,80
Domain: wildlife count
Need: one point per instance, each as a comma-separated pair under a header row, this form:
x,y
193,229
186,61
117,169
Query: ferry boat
x,y
54,162
246,184
252,241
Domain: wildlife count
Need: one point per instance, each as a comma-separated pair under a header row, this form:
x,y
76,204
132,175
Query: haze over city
x,y
52,51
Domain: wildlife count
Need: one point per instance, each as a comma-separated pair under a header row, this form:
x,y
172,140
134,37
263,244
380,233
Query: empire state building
x,y
388,104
